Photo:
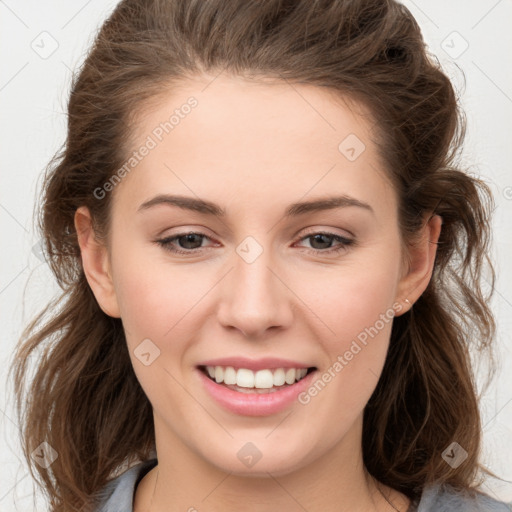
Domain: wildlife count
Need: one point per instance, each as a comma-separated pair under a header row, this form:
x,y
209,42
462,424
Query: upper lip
x,y
254,364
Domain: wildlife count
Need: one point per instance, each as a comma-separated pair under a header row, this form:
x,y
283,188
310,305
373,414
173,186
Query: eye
x,y
321,242
192,242
183,243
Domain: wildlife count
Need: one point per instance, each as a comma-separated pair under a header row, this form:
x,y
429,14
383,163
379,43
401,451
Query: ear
x,y
421,257
96,263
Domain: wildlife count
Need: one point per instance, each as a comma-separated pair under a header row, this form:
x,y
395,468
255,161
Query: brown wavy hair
x,y
85,400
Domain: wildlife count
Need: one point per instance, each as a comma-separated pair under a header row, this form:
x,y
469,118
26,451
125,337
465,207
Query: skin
x,y
254,149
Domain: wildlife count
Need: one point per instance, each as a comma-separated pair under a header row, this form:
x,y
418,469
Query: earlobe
x,y
421,265
95,262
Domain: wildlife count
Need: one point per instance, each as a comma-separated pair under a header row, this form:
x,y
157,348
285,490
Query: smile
x,y
261,392
245,380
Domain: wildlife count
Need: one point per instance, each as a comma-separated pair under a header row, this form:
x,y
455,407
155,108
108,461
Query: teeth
x,y
229,375
289,376
244,378
262,379
279,377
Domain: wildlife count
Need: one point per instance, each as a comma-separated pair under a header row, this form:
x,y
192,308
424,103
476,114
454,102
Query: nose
x,y
255,297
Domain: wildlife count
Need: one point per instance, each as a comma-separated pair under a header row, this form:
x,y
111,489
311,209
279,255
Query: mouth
x,y
264,381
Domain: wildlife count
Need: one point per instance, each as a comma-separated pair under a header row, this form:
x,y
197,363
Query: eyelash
x,y
345,243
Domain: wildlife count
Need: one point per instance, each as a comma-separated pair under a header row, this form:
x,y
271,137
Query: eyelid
x,y
185,230
315,229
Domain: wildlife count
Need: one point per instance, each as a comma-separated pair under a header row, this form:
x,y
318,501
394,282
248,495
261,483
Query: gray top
x,y
118,494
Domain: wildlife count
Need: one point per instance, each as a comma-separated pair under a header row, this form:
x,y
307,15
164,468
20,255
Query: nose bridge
x,y
253,298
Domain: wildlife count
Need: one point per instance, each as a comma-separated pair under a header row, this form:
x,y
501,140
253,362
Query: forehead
x,y
228,135
264,113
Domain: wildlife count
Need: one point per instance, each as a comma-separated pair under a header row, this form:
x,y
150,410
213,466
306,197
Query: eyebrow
x,y
295,209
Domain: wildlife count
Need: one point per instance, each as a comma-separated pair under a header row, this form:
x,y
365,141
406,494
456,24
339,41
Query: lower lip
x,y
255,404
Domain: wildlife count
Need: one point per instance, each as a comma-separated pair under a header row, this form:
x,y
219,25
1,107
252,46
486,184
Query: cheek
x,y
156,304
153,297
356,303
354,297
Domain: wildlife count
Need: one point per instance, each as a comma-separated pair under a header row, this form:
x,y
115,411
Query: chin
x,y
279,459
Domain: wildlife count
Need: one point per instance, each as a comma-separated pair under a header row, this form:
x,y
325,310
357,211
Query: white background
x,y
33,98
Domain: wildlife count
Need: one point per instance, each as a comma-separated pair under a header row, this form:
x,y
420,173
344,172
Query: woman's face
x,y
294,262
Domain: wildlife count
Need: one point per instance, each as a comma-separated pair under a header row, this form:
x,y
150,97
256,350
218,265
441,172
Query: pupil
x,y
190,239
318,238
